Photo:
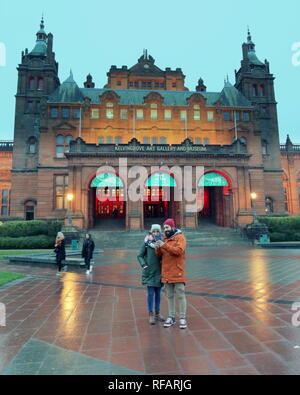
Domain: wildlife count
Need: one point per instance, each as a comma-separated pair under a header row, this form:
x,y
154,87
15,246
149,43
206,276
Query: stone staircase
x,y
209,235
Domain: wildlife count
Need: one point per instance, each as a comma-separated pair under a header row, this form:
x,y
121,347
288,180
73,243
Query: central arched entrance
x,y
215,189
159,198
107,202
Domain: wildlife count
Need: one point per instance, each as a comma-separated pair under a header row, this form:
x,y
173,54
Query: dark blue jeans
x,y
153,293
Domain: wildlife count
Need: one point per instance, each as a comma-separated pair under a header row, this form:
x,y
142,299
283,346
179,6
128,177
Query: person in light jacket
x,y
151,273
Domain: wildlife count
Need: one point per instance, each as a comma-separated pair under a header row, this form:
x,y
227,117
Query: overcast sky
x,y
203,38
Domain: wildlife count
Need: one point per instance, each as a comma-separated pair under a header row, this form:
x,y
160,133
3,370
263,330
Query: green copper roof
x,y
254,59
69,92
40,48
232,97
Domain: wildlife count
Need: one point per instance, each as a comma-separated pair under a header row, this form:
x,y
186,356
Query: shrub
x,y
30,228
26,243
282,228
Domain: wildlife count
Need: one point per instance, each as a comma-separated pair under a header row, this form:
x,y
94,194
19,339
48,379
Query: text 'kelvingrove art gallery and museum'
x,y
91,141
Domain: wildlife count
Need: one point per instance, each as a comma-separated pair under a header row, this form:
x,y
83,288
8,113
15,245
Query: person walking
x,y
151,274
172,252
87,252
60,251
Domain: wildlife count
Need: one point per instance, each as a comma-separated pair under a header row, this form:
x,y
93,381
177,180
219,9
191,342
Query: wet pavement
x,y
239,317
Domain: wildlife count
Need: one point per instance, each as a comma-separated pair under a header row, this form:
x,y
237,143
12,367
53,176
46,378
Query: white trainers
x,y
88,272
170,321
182,323
91,268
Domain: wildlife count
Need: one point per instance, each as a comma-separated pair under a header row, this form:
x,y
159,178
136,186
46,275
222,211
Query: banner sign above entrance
x,y
158,148
161,180
213,180
104,180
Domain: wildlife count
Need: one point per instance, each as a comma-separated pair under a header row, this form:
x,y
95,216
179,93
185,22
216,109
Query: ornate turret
x,y
201,87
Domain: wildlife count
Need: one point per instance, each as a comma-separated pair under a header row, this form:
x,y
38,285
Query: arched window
x,y
31,83
41,84
269,205
31,145
29,210
163,140
254,90
262,90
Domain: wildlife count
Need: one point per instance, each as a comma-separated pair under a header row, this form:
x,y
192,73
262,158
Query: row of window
x,y
36,83
148,84
258,90
149,140
110,113
236,116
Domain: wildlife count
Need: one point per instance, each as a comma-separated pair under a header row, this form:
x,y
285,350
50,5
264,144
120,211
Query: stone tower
x,y
256,82
37,79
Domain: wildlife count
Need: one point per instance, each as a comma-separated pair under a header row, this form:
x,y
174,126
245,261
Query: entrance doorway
x,y
107,206
217,200
159,199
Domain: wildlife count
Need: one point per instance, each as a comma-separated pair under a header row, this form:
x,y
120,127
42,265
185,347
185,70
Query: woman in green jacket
x,y
151,274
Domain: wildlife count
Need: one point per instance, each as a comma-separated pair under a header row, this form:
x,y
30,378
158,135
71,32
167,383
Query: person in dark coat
x,y
87,252
60,251
151,274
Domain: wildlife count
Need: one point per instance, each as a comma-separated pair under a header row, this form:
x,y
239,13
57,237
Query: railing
x,y
6,145
292,148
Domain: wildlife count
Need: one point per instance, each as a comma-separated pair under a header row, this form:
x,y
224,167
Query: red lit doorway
x,y
107,205
217,200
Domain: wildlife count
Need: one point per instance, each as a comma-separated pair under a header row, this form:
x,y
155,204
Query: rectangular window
x,y
163,140
154,140
124,114
206,141
183,115
119,83
197,116
226,116
66,113
139,114
146,140
136,84
76,113
109,140
246,117
118,140
168,115
95,113
60,151
54,112
100,140
153,114
29,105
110,113
4,211
131,84
5,203
237,115
198,141
210,115
173,84
60,190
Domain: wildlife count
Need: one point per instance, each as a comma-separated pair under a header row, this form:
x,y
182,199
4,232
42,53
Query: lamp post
x,y
70,198
254,197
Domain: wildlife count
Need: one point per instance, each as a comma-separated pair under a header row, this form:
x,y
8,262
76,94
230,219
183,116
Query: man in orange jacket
x,y
172,251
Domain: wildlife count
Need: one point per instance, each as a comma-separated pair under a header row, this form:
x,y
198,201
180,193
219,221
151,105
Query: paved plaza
x,y
239,317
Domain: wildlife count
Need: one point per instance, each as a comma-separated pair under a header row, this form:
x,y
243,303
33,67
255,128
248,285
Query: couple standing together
x,y
163,263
